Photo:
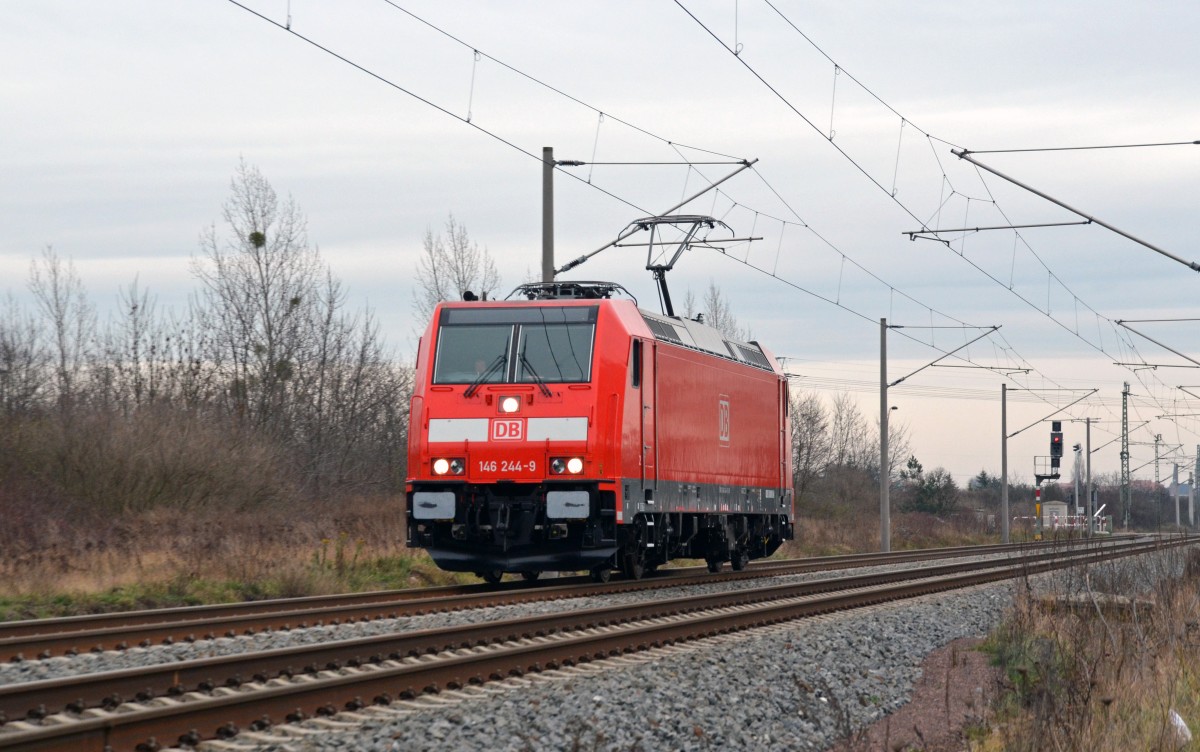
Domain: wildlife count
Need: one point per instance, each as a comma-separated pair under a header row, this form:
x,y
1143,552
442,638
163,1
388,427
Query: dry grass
x,y
859,533
168,557
164,507
1097,678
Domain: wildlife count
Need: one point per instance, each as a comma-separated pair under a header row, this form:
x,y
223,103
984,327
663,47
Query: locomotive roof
x,y
677,330
699,336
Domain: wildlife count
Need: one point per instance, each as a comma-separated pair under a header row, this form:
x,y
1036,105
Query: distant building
x,y
1054,515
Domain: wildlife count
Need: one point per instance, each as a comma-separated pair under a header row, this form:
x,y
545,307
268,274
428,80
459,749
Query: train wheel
x,y
529,575
633,566
632,559
739,559
601,574
492,576
714,565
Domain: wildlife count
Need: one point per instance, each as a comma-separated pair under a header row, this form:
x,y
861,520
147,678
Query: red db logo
x,y
507,430
723,422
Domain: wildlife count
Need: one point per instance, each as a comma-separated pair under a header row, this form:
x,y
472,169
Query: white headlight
x,y
510,404
441,466
574,466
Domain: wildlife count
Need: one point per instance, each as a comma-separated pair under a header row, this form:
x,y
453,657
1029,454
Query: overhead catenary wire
x,y
784,223
601,115
423,100
964,154
1082,148
673,144
877,183
545,85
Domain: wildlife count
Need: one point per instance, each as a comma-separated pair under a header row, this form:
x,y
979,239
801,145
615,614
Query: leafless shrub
x,y
1098,678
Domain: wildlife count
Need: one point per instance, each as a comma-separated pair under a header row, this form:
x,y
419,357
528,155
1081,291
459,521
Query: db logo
x,y
723,420
507,430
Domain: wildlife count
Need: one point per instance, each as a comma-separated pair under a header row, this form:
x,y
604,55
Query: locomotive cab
x,y
506,468
583,433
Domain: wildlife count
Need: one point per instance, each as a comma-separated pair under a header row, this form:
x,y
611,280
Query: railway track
x,y
184,703
45,638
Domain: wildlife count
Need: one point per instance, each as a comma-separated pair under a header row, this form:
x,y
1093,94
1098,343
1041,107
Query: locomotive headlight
x,y
510,404
442,466
560,465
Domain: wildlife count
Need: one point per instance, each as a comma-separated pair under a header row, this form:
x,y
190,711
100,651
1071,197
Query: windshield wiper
x,y
499,361
537,378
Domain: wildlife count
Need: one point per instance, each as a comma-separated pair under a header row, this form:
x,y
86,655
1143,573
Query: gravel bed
x,y
804,685
137,657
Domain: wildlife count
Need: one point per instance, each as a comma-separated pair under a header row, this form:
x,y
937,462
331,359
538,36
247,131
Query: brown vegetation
x,y
1101,677
232,441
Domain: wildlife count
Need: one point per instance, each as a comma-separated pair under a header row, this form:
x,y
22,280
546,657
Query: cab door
x,y
649,433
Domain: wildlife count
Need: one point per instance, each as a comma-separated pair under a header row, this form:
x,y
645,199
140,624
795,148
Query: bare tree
x,y
689,304
293,361
718,313
63,301
131,364
257,285
450,265
810,442
898,445
24,360
850,442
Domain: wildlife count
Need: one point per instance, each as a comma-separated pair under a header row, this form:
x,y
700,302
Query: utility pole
x,y
1157,441
885,512
547,214
1191,500
1088,484
1126,490
1175,490
1195,475
1157,482
1004,532
1075,475
885,475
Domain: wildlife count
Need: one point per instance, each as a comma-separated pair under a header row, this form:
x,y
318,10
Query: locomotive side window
x,y
525,345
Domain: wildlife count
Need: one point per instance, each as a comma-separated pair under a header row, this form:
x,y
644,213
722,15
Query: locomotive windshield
x,y
514,345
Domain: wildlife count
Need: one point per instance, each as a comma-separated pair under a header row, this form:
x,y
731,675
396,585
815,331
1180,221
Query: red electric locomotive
x,y
574,431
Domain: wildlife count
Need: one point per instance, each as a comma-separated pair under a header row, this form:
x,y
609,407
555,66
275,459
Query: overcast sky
x,y
124,121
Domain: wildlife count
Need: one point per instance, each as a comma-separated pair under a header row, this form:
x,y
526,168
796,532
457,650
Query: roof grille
x,y
663,330
752,355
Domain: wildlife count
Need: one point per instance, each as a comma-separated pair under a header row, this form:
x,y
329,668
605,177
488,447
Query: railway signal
x,y
1056,443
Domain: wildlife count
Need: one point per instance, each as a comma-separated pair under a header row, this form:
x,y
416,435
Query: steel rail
x,y
224,715
43,638
35,700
